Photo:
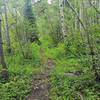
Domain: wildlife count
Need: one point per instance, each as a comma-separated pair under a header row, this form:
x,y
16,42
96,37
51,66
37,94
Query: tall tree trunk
x,y
7,28
61,10
17,35
4,72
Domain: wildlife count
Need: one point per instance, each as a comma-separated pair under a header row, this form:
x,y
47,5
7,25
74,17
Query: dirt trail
x,y
41,83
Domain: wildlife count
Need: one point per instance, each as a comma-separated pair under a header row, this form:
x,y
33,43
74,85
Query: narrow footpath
x,y
41,83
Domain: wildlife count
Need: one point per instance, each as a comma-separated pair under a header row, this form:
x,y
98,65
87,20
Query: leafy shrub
x,y
74,88
15,90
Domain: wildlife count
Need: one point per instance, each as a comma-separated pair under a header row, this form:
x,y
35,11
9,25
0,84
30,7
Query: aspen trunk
x,y
61,11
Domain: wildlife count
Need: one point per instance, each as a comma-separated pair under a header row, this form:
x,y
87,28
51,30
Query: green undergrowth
x,y
21,72
19,83
67,87
63,86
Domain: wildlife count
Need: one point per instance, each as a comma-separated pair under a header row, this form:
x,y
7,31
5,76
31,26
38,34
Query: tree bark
x,y
61,11
4,72
7,29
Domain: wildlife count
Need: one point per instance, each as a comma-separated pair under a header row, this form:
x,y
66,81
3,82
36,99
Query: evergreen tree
x,y
28,13
29,19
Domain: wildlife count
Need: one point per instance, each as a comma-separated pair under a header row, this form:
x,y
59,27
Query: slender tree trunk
x,y
21,47
97,14
76,26
4,72
7,29
61,11
81,15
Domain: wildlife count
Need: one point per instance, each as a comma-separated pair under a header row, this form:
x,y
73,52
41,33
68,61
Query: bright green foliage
x,y
17,89
69,86
21,71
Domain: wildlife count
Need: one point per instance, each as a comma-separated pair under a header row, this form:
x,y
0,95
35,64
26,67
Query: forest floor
x,y
41,83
